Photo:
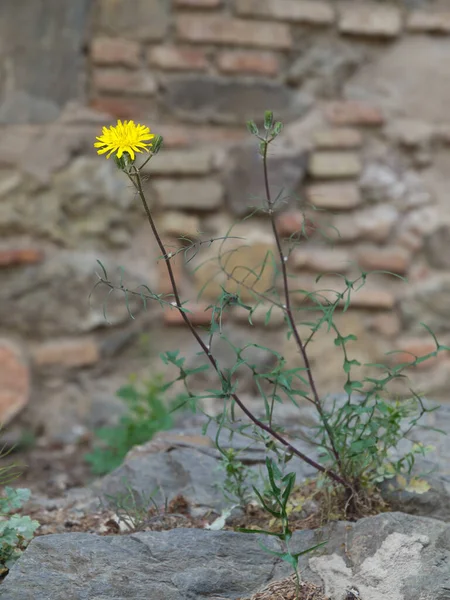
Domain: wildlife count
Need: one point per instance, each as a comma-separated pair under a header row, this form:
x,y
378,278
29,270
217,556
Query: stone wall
x,y
364,89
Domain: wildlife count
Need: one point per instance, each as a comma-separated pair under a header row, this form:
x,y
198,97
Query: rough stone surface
x,y
15,381
391,83
434,245
217,99
427,302
405,190
139,19
323,68
390,555
53,298
35,86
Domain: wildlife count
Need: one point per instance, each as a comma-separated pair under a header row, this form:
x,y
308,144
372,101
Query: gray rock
x,y
322,69
429,303
35,86
208,98
393,556
244,179
52,298
436,246
140,19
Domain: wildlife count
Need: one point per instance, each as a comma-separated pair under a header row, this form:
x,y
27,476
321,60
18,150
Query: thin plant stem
x,y
136,181
289,313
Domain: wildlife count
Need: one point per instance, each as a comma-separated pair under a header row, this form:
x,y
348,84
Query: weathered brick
x,y
331,165
353,112
115,51
206,29
135,19
122,107
261,63
127,82
372,297
321,260
228,100
413,348
198,3
192,195
66,353
179,162
374,224
198,314
387,324
370,19
328,139
428,21
294,222
313,12
178,136
20,256
14,381
177,224
173,58
393,259
334,196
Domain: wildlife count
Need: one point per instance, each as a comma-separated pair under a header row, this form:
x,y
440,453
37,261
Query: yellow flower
x,y
124,137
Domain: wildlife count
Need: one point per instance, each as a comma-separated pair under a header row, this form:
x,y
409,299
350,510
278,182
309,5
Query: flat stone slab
x,y
393,555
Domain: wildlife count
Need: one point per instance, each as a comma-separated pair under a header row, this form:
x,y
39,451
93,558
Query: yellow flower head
x,y
124,137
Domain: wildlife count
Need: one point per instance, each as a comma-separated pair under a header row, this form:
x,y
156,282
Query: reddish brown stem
x,y
136,180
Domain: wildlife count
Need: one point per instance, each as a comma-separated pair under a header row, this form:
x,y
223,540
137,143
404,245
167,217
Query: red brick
x,y
172,58
14,381
66,353
294,222
198,3
353,112
123,81
393,259
20,256
122,107
115,51
312,12
416,347
261,63
198,314
206,29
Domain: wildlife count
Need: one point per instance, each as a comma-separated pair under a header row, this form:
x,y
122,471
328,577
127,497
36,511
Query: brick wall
x,y
366,141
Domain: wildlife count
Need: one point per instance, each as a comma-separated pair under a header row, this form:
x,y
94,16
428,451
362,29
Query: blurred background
x,y
364,91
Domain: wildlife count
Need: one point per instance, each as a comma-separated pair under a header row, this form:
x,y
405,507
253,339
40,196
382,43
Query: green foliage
x,y
15,530
147,414
275,501
356,438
